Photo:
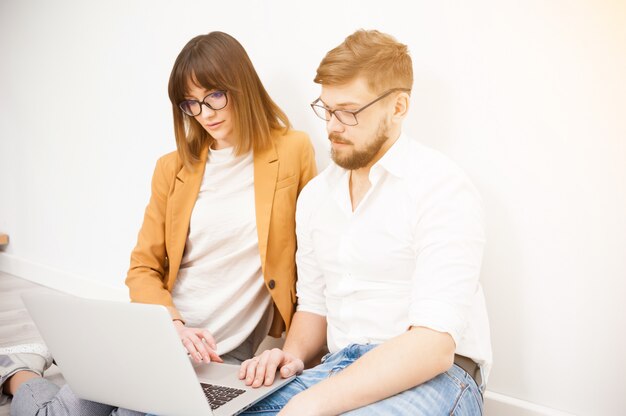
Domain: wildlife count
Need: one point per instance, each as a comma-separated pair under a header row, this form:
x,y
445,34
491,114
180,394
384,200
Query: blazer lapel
x,y
181,203
265,177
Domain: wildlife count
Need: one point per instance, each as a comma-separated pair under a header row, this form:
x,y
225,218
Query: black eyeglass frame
x,y
203,102
331,113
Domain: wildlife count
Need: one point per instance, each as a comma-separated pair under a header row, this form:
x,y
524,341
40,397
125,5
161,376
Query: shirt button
x,y
271,284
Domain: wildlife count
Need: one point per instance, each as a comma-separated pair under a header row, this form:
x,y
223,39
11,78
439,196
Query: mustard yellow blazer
x,y
280,173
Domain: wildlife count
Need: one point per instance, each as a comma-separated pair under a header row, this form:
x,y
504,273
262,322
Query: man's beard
x,y
359,158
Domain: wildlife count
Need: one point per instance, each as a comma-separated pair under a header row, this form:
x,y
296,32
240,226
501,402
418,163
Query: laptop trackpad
x,y
227,375
224,374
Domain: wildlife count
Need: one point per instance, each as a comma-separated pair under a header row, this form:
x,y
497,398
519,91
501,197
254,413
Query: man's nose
x,y
334,125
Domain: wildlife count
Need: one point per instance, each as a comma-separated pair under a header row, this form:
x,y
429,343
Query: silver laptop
x,y
129,355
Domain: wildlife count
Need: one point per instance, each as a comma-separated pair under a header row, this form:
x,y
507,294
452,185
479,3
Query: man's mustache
x,y
336,138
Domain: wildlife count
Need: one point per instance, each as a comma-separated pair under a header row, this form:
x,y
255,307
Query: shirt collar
x,y
394,160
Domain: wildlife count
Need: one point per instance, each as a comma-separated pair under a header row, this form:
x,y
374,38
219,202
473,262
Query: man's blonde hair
x,y
378,57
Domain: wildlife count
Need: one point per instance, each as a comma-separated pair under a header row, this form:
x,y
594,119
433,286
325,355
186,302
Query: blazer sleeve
x,y
147,275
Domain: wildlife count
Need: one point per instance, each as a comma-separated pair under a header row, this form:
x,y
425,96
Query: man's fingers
x,y
294,367
243,368
276,356
251,371
259,376
286,372
262,369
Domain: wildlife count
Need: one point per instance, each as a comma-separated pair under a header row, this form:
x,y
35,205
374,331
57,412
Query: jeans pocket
x,y
469,399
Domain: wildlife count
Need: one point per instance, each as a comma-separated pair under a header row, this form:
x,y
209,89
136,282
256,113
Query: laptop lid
x,y
129,355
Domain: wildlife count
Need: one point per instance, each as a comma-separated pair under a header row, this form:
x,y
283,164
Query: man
x,y
390,242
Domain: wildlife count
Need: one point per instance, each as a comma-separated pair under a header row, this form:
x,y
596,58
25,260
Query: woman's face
x,y
218,123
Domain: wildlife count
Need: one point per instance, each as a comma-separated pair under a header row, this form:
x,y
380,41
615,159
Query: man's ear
x,y
401,107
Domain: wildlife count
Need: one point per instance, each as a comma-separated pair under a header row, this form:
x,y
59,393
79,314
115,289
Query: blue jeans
x,y
451,393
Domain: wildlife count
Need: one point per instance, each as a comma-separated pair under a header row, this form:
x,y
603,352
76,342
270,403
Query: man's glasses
x,y
347,117
215,101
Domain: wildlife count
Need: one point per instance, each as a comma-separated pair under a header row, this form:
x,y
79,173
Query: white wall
x,y
529,97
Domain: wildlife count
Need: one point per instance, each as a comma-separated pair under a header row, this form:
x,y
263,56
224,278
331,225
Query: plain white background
x,y
529,97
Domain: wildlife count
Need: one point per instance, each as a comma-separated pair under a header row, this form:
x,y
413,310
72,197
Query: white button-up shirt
x,y
409,255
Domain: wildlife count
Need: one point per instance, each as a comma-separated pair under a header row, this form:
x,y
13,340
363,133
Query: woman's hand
x,y
199,343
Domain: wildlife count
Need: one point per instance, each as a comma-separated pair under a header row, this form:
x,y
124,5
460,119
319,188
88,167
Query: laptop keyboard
x,y
219,395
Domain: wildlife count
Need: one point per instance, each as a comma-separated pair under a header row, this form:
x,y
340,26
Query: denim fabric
x,y
41,397
451,393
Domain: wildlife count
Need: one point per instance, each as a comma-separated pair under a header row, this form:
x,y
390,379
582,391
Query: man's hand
x,y
262,368
199,343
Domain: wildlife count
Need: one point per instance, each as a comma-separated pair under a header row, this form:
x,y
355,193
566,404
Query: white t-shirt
x,y
409,255
220,284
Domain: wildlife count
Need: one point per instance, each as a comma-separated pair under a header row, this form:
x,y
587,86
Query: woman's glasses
x,y
215,101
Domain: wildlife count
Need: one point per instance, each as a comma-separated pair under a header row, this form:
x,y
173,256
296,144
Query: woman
x,y
217,243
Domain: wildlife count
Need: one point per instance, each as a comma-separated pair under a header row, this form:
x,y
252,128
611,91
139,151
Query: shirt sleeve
x,y
450,240
311,283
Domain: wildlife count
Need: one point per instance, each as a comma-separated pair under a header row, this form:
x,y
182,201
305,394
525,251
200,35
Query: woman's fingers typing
x,y
199,343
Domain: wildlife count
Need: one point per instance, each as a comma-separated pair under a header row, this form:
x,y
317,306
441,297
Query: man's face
x,y
355,147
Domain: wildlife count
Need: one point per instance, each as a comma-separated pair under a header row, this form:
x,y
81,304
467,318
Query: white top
x,y
409,255
220,284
